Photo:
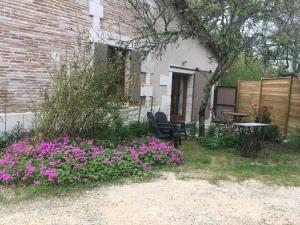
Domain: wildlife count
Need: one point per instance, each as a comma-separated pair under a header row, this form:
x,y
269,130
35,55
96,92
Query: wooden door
x,y
178,98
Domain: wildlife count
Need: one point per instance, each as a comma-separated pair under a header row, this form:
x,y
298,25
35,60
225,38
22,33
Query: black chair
x,y
164,130
162,119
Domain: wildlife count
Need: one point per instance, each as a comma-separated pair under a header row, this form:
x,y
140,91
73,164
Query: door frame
x,y
181,118
190,73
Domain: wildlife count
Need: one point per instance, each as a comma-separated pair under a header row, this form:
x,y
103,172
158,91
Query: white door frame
x,y
166,103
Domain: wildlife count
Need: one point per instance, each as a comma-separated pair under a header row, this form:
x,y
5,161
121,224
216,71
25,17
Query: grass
x,y
276,164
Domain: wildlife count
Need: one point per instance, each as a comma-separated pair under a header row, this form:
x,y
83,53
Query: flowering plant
x,y
66,160
264,115
260,113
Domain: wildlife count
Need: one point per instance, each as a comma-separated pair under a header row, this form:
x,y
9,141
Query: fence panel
x,y
294,113
248,94
275,95
282,95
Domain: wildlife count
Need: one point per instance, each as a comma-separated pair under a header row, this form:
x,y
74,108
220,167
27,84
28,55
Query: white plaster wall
x,y
189,100
131,114
186,54
96,13
12,120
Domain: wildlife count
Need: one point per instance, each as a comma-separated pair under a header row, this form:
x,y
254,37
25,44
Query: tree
x,y
244,68
266,29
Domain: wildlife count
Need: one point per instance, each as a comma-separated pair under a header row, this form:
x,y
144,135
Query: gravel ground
x,y
162,202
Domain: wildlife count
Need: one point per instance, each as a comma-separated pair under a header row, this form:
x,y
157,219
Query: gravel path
x,y
163,202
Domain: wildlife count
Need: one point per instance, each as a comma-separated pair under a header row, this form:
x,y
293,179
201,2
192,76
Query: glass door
x,y
178,98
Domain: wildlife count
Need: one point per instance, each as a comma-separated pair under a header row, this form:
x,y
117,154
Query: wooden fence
x,y
282,95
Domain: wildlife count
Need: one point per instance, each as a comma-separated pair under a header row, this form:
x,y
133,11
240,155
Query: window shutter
x,y
135,72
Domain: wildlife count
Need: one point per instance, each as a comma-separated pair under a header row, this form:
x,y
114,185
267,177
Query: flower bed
x,y
67,161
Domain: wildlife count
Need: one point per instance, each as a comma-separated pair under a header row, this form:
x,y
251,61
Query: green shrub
x,y
192,129
264,115
133,130
219,137
272,133
295,138
85,96
215,130
16,134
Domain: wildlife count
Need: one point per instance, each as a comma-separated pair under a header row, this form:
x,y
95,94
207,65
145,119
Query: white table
x,y
251,124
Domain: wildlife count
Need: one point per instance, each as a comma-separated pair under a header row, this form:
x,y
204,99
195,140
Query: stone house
x,y
33,33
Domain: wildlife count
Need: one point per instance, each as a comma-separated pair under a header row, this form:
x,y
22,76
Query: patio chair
x,y
162,119
164,131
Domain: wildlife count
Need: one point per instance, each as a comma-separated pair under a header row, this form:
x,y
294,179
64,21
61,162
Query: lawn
x,y
276,164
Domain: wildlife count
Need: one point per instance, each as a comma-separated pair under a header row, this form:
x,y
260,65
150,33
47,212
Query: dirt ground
x,y
165,201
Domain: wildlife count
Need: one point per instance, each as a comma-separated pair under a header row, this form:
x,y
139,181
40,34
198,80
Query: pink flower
x,y
134,154
4,176
51,174
30,169
52,163
68,156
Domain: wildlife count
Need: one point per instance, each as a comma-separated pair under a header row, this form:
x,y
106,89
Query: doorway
x,y
179,97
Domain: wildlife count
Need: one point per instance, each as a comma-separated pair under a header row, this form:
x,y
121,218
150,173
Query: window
x,y
129,66
114,54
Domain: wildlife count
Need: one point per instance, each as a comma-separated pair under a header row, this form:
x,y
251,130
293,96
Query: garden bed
x,y
67,161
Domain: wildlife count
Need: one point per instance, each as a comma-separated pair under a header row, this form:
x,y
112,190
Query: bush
x,y
220,136
295,138
85,96
272,133
192,129
133,130
264,115
68,161
16,134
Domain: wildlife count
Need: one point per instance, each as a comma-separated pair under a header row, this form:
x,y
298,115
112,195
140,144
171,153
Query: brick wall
x,y
118,18
31,33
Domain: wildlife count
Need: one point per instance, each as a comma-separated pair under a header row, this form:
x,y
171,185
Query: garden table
x,y
237,117
251,136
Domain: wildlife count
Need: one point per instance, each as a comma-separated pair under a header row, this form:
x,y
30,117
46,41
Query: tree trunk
x,y
217,74
203,106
